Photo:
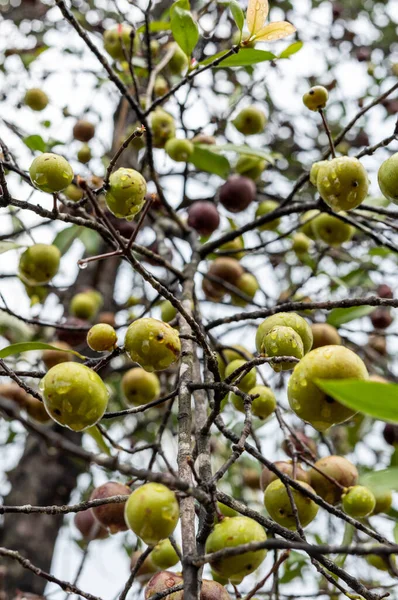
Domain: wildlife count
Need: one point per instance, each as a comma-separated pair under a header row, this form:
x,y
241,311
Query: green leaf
x,y
244,58
91,240
210,162
185,29
7,245
13,349
381,481
292,49
98,438
380,252
364,396
65,238
247,151
237,14
35,142
156,26
339,316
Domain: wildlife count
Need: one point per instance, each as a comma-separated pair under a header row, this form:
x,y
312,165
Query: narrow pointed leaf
x,y
292,49
381,481
7,245
98,438
245,58
257,12
275,31
237,14
339,316
13,349
210,162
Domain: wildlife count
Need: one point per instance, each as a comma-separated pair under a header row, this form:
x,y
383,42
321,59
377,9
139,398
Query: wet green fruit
x,y
314,175
163,127
236,352
39,264
300,244
308,401
116,39
248,381
282,341
316,98
325,335
306,221
250,166
125,196
288,319
110,516
84,154
164,556
56,357
332,230
102,338
83,306
140,387
83,131
36,99
248,285
73,192
178,62
167,311
264,208
343,183
267,476
74,395
388,178
152,512
50,172
179,150
335,467
277,503
262,406
232,532
383,502
358,501
250,121
152,344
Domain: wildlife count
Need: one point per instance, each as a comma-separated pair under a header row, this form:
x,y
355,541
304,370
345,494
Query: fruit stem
x,y
328,132
140,222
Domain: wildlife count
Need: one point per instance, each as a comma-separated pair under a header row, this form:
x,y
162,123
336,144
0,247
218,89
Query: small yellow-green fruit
x,y
167,311
163,127
83,306
278,505
164,556
250,121
324,335
179,150
226,510
56,357
235,244
73,192
267,476
316,98
218,579
152,512
314,173
140,387
358,502
236,352
262,406
36,293
161,86
383,502
178,62
292,320
36,99
332,230
97,297
264,208
306,221
153,344
380,562
83,131
126,193
74,395
101,338
39,264
308,401
343,183
50,172
282,341
248,381
115,39
84,154
300,244
388,178
232,532
250,166
248,285
335,468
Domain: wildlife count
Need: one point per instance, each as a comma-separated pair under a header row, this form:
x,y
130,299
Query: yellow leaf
x,y
257,12
275,31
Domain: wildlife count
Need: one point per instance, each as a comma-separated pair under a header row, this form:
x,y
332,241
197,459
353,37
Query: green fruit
x,y
84,154
36,293
358,501
36,99
178,62
235,244
282,341
74,193
300,244
292,320
232,532
179,150
125,196
248,285
115,39
248,381
140,387
96,296
161,86
306,221
383,502
267,476
101,338
314,174
164,556
83,306
264,208
152,344
278,505
308,401
74,395
163,127
388,178
250,121
230,354
226,510
51,173
250,166
152,512
218,579
379,562
343,183
316,98
324,335
335,467
332,230
167,311
262,406
39,264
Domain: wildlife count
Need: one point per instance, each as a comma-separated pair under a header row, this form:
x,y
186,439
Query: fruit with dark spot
x,y
179,150
140,387
50,172
164,556
264,208
83,131
278,505
343,183
267,476
285,320
358,502
39,264
89,526
237,193
316,98
388,178
331,230
110,516
117,41
101,338
125,196
381,318
55,357
324,335
250,121
390,433
36,99
338,469
153,344
203,217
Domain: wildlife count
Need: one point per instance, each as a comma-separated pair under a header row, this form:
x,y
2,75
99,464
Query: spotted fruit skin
x,y
277,503
164,556
248,381
232,532
162,581
315,170
126,194
339,469
115,39
307,400
332,230
263,406
359,501
110,516
267,476
316,98
51,173
152,512
74,395
264,208
39,264
282,341
343,183
250,121
140,387
285,319
101,337
153,344
388,178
